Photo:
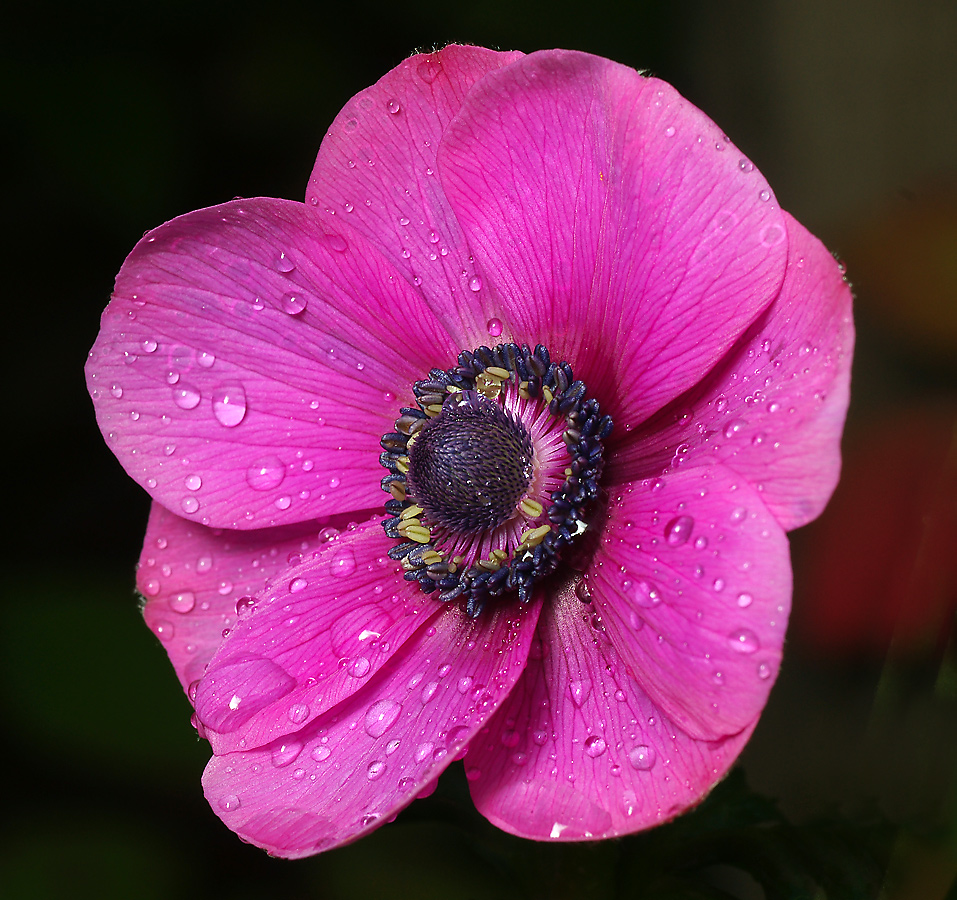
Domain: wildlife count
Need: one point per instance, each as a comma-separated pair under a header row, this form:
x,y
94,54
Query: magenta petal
x,y
249,363
619,225
774,409
693,582
578,750
376,169
312,639
354,768
192,578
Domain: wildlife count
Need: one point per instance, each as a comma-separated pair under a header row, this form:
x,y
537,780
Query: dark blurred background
x,y
117,117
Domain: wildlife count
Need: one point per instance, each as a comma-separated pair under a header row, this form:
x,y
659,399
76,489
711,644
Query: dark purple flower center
x,y
471,464
492,473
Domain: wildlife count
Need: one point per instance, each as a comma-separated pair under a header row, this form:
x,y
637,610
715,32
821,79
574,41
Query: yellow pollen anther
x,y
532,508
402,464
411,512
430,557
498,372
418,533
489,565
547,394
523,391
534,536
433,409
405,524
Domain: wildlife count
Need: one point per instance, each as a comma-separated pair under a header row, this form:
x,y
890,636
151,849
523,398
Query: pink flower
x,y
255,354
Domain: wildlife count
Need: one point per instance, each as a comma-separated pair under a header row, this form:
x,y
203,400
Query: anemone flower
x,y
486,450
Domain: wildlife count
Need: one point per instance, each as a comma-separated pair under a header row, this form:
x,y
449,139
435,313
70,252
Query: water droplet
x,y
494,327
182,602
580,691
297,584
645,594
190,504
359,667
292,303
670,131
595,745
678,530
206,360
745,165
381,716
229,404
283,263
642,757
149,345
343,562
298,713
283,502
245,606
335,242
193,482
745,600
185,396
266,474
764,671
228,802
733,427
428,70
744,641
393,106
475,284
164,630
321,753
286,753
428,692
116,391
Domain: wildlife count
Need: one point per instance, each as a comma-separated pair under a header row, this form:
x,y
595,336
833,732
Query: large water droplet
x,y
580,691
229,404
182,602
185,396
678,530
283,262
642,757
343,562
381,716
190,505
359,667
286,753
644,593
595,745
266,474
292,303
744,641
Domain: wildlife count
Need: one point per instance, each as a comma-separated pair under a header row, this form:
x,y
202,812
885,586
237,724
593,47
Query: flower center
x,y
471,464
491,474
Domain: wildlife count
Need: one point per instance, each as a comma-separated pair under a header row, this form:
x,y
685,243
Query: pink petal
x,y
693,582
229,406
619,225
314,637
354,768
376,169
579,750
773,410
193,576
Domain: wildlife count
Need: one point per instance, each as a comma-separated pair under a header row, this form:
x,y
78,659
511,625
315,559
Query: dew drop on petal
x,y
580,691
186,397
292,303
745,600
678,530
229,405
343,563
193,482
182,602
381,716
286,752
595,745
228,802
266,474
494,327
475,285
298,713
164,631
359,667
190,504
642,757
744,641
376,770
